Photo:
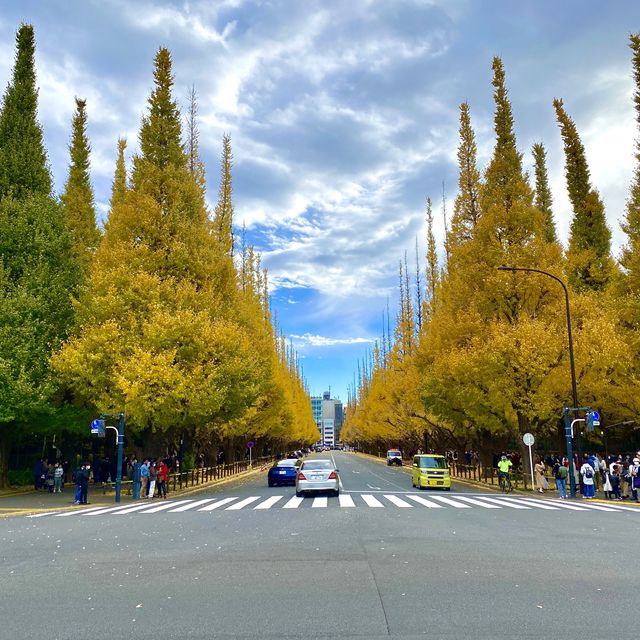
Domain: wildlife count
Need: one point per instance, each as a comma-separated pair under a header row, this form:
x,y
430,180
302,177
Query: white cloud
x,y
321,341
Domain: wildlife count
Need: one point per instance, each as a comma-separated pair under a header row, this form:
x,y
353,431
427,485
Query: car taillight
x,y
301,476
332,476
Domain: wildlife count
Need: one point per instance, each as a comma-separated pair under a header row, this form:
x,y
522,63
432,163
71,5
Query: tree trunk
x,y
5,450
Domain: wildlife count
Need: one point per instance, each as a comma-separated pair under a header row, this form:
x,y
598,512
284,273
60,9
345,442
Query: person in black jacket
x,y
83,481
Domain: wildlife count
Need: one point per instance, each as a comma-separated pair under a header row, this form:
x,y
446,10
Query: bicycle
x,y
505,483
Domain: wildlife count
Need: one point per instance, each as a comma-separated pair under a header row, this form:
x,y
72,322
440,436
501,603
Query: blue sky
x,y
343,118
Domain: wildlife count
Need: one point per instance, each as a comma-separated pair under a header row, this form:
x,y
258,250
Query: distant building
x,y
328,416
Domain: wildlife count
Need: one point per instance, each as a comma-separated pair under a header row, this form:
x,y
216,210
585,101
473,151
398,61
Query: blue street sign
x,y
595,416
97,428
593,420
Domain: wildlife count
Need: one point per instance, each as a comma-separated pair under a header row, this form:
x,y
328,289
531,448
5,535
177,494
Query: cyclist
x,y
504,465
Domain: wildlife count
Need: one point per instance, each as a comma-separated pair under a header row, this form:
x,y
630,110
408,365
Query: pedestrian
x,y
58,473
586,472
162,471
539,474
76,480
561,473
49,483
635,478
136,478
153,478
607,488
144,478
615,482
595,465
39,472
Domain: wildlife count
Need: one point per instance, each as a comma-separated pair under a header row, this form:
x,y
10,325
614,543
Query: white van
x,y
394,456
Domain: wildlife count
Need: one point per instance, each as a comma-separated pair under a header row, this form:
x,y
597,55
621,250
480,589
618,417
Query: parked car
x,y
283,472
394,456
317,475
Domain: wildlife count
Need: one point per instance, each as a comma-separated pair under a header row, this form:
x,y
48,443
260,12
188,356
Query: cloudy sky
x,y
343,119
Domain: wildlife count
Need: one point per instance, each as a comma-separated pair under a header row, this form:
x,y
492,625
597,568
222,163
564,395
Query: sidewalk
x,y
29,501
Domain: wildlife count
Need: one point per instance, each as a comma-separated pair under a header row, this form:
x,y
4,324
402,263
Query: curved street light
x,y
574,387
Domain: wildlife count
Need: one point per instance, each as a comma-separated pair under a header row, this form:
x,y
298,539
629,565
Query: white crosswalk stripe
x,y
190,504
478,503
371,501
217,505
269,502
453,503
425,502
345,500
398,501
533,503
243,503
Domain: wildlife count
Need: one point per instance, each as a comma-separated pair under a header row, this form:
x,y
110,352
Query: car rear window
x,y
433,463
287,463
318,464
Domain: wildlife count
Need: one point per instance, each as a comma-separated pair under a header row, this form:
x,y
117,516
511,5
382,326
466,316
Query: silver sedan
x,y
317,475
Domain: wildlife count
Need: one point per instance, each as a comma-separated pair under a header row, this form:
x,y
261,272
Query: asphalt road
x,y
237,563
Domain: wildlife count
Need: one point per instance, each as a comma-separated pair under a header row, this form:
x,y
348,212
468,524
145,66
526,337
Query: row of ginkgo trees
x,y
150,315
480,356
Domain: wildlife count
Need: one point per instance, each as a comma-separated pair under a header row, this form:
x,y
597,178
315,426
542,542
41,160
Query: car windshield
x,y
394,452
318,464
433,463
287,463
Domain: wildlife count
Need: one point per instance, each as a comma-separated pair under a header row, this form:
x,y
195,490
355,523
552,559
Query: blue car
x,y
283,472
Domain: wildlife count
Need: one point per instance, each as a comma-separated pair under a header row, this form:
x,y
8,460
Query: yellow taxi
x,y
430,470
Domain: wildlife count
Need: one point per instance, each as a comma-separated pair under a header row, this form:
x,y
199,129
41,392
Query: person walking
x,y
615,482
153,478
561,473
162,471
586,472
607,487
144,478
58,472
539,474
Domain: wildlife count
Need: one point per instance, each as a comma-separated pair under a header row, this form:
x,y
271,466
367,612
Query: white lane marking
x,y
269,502
346,501
139,507
615,507
398,501
425,502
243,503
532,502
373,488
109,510
484,505
48,513
319,502
190,505
562,505
216,505
597,507
453,503
371,501
74,513
294,503
160,507
504,503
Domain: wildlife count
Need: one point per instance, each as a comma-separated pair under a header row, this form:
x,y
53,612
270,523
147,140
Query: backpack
x,y
588,473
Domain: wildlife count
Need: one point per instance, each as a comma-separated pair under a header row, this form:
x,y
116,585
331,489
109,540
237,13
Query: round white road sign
x,y
528,439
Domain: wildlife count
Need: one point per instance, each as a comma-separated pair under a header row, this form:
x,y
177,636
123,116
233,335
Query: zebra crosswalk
x,y
344,501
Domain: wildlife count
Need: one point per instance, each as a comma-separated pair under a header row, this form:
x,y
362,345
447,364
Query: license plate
x,y
316,477
440,482
282,473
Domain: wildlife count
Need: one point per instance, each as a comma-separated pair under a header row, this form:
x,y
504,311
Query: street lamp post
x,y
574,388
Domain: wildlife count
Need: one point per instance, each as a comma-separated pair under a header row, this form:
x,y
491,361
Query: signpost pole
x,y
120,449
250,447
528,439
567,435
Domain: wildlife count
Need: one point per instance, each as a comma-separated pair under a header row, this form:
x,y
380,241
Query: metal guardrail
x,y
200,476
489,475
